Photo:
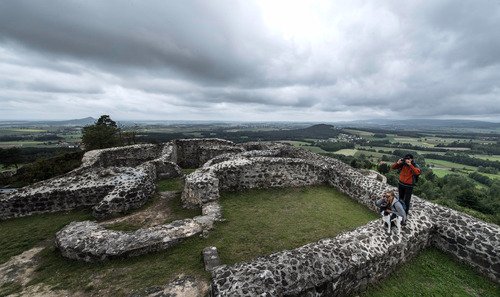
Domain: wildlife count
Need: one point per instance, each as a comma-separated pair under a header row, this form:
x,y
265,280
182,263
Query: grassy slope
x,y
21,234
434,273
259,222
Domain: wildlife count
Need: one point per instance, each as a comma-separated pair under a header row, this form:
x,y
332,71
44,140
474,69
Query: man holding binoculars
x,y
407,174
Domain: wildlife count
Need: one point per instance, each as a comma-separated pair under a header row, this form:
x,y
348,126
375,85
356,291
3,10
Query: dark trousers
x,y
405,195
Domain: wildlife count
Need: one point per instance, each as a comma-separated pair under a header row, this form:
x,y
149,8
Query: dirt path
x,y
155,214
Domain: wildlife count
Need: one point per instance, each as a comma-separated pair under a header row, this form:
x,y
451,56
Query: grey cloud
x,y
220,59
195,39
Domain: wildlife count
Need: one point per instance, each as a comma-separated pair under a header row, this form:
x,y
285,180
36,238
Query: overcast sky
x,y
250,60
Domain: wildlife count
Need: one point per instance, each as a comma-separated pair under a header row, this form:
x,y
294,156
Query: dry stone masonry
x,y
116,180
348,263
111,181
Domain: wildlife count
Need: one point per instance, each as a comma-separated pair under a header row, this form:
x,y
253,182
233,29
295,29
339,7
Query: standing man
x,y
408,171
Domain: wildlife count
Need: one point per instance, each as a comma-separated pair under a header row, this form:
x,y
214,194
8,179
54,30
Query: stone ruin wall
x,y
111,181
128,156
345,264
336,266
193,153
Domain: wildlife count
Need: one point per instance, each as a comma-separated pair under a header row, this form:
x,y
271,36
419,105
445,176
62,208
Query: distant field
x,y
487,157
13,131
369,154
448,164
5,144
295,143
359,132
378,148
314,149
391,149
441,172
413,141
346,152
492,176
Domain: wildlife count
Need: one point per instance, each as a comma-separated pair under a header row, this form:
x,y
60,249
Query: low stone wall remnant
x,y
110,181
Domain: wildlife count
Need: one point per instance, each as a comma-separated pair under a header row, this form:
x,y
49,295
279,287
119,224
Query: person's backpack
x,y
415,176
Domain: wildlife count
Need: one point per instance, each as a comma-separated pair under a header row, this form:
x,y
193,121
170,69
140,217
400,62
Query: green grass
x,y
434,273
441,172
258,222
21,234
9,288
277,219
175,184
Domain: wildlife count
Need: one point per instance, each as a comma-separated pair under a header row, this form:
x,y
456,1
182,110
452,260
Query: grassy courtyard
x,y
258,222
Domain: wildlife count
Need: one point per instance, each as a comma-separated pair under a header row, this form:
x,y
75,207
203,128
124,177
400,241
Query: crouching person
x,y
392,210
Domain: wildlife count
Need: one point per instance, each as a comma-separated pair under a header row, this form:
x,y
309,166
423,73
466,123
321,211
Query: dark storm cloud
x,y
197,39
323,60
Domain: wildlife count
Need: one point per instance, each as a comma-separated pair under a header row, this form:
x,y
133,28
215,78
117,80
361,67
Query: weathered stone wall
x,y
192,153
126,156
113,180
470,240
346,264
339,266
109,191
253,169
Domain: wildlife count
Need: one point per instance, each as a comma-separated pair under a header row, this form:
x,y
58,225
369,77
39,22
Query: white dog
x,y
395,218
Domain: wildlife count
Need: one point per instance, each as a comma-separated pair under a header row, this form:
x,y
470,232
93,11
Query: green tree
x,y
383,168
469,198
11,156
103,134
106,120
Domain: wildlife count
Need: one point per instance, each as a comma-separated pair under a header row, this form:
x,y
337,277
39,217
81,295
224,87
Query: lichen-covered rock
x,y
90,242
